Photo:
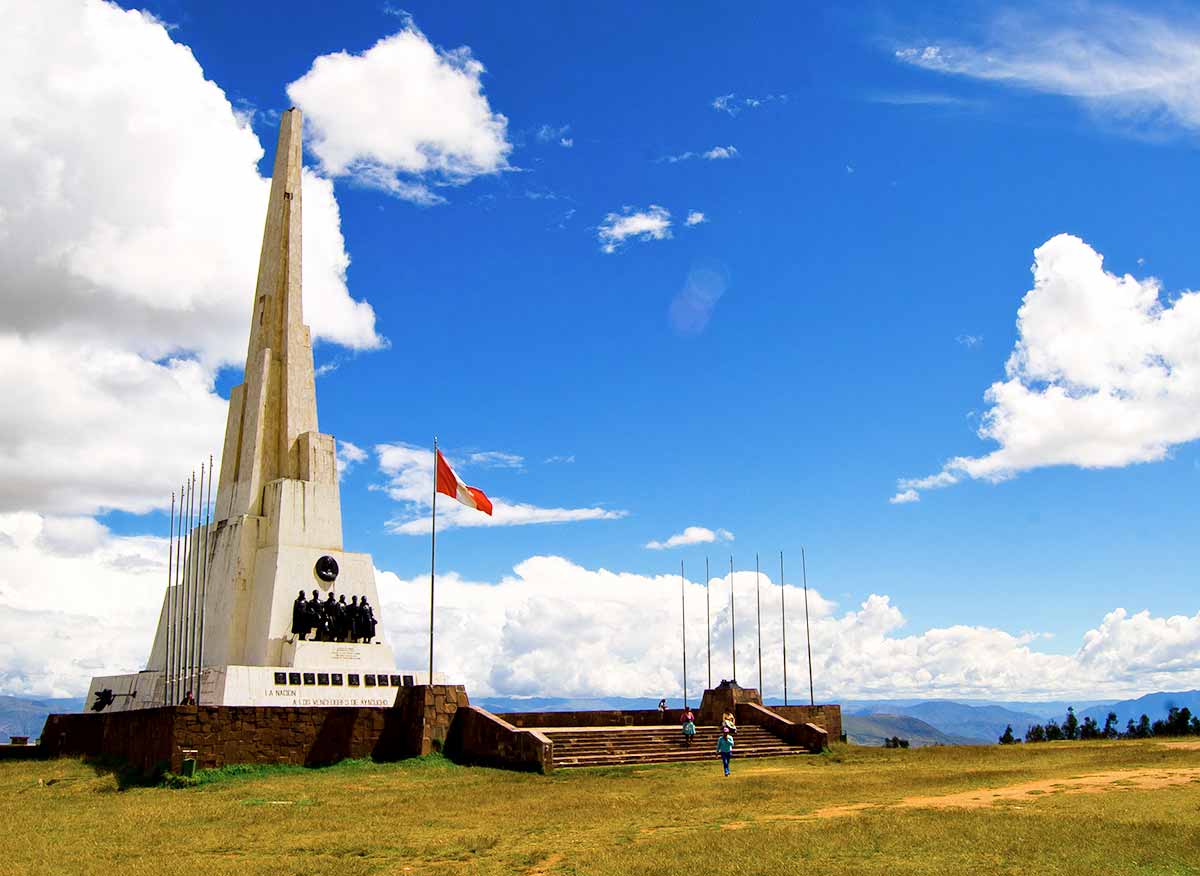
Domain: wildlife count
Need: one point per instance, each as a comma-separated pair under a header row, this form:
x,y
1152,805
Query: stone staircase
x,y
615,746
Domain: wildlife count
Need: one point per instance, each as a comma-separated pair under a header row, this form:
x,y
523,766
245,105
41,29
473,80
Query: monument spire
x,y
275,407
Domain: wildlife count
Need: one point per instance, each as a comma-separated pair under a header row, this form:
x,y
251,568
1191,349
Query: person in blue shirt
x,y
725,748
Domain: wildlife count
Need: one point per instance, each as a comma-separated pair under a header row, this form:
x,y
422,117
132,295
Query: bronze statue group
x,y
333,620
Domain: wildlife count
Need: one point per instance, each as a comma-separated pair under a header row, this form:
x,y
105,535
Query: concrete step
x,y
671,757
613,746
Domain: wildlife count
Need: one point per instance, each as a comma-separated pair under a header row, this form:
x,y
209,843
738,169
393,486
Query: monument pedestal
x,y
339,656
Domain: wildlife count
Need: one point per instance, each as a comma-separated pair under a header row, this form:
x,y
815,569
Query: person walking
x,y
728,725
725,748
689,727
662,711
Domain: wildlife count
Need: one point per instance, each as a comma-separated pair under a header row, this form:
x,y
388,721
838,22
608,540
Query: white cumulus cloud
x,y
348,456
402,116
653,223
131,216
1105,373
715,154
691,535
695,217
553,627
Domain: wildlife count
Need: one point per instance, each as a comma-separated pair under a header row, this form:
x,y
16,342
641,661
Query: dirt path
x,y
980,798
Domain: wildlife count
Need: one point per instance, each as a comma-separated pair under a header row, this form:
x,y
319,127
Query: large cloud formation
x,y
1105,373
401,115
131,212
553,627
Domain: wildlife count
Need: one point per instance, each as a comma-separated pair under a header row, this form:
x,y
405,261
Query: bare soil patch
x,y
982,798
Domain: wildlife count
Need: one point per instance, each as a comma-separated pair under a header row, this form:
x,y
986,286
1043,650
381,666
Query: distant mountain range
x,y
874,729
24,717
865,722
1156,705
978,724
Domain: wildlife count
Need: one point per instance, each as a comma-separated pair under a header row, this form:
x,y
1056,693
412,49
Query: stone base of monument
x,y
344,679
417,720
422,719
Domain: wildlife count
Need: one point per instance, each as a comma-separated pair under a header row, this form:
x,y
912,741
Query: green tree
x,y
1070,726
1089,729
1035,733
1007,737
1110,726
1144,731
1054,733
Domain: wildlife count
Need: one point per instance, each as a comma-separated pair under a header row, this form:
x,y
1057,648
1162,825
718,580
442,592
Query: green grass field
x,y
1078,808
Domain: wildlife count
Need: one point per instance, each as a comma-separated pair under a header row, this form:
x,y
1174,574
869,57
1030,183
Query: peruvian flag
x,y
449,484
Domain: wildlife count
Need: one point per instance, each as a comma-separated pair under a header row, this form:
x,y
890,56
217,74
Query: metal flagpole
x,y
188,638
758,603
176,598
783,624
204,580
683,627
167,630
194,669
181,647
432,556
812,700
708,620
732,621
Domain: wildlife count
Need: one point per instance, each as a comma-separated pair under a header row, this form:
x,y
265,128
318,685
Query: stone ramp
x,y
619,746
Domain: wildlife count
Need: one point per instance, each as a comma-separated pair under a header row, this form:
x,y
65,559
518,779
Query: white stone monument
x,y
277,513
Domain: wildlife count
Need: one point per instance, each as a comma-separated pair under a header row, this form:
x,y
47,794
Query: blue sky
x,y
873,233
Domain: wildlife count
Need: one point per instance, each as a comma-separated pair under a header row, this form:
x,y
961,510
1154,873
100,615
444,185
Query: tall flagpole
x,y
194,632
758,603
167,635
432,555
783,624
708,620
204,584
732,620
812,700
683,628
177,599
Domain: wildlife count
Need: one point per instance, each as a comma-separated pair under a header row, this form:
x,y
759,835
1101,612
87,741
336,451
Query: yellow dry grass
x,y
1097,807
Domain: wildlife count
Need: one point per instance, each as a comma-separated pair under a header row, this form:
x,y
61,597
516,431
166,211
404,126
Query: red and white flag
x,y
448,484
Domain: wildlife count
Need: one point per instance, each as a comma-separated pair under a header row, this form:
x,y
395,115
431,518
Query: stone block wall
x,y
828,717
479,737
153,739
809,736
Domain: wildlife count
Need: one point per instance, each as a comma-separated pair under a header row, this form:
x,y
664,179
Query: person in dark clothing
x,y
301,624
355,616
188,699
368,620
343,619
329,616
314,616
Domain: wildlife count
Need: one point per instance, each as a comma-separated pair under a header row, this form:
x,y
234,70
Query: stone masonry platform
x,y
426,719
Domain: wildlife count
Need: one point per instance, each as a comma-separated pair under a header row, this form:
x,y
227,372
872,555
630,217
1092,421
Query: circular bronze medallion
x,y
327,568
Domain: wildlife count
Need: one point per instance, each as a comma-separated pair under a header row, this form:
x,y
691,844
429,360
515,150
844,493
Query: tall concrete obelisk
x,y
277,526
